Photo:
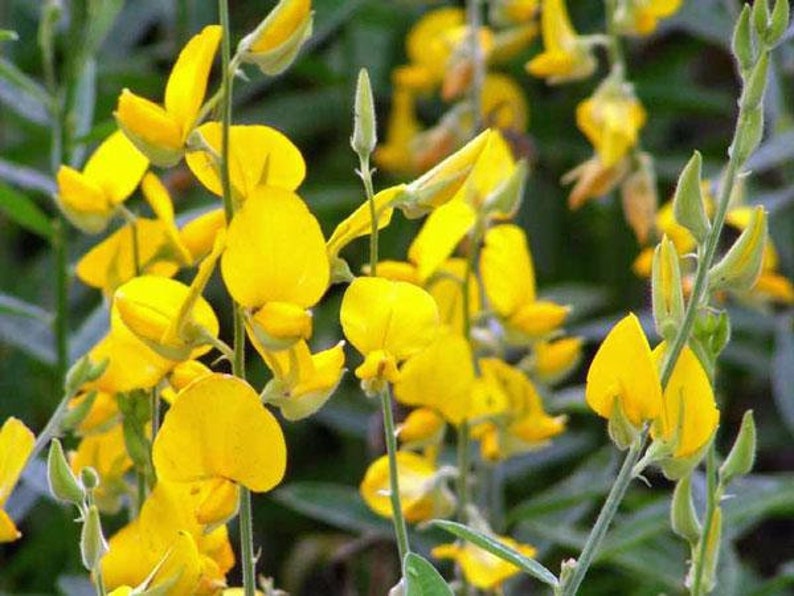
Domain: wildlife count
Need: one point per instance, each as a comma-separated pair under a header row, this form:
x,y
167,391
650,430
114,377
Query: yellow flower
x,y
215,420
515,419
182,375
640,17
509,12
480,568
302,382
508,277
504,103
689,415
446,288
275,43
167,537
198,235
276,162
592,180
566,56
423,492
388,322
611,120
423,427
553,360
16,445
113,261
160,132
623,372
89,198
439,377
275,265
156,194
103,413
428,50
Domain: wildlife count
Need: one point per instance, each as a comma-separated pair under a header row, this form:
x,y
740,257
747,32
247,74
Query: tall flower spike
x,y
160,132
623,372
90,198
388,322
215,420
16,445
566,56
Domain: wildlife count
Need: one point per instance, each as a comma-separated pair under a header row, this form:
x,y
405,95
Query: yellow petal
x,y
421,425
276,162
159,200
447,290
482,569
537,319
198,235
439,377
690,415
151,129
82,201
503,103
379,314
623,369
187,84
553,360
506,269
278,325
282,23
219,428
16,445
116,167
220,504
275,251
443,230
180,571
359,223
425,43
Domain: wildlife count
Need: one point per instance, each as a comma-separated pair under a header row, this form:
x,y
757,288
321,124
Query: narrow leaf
x,y
26,327
22,94
26,178
22,210
422,579
783,372
498,549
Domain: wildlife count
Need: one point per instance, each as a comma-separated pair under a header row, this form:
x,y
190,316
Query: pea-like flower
x,y
16,445
160,132
275,43
89,198
641,17
388,322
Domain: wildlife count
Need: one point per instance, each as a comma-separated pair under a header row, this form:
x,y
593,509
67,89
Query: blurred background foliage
x,y
316,536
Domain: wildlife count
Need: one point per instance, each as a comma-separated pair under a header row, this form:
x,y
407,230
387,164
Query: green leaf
x,y
498,549
27,327
773,153
6,35
26,178
22,94
422,579
783,372
21,209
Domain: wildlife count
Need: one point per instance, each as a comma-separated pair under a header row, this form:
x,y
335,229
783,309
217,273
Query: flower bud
x,y
778,23
365,135
683,517
750,133
742,42
89,478
740,267
92,543
275,43
755,84
506,199
75,415
77,376
688,204
666,289
742,455
760,13
60,478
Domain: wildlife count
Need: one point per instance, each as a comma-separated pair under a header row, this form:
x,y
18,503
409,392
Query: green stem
x,y
614,48
248,561
697,299
394,480
713,492
474,19
604,518
365,173
59,243
155,407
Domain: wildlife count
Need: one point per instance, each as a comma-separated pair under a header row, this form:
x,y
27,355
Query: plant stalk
x,y
394,480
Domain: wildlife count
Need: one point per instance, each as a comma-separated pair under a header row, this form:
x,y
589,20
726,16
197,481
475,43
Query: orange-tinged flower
x,y
611,120
388,322
277,162
480,568
423,492
215,420
160,132
16,445
623,371
566,56
592,180
90,198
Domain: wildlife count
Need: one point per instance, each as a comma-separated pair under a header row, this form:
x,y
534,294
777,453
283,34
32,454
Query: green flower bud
x,y
778,23
365,135
750,133
688,204
721,335
77,376
666,290
74,416
755,84
683,517
89,478
92,543
761,17
742,42
62,481
740,267
506,199
742,455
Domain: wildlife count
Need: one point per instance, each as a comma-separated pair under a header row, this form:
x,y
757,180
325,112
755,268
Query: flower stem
x,y
474,19
248,561
365,173
394,480
713,495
